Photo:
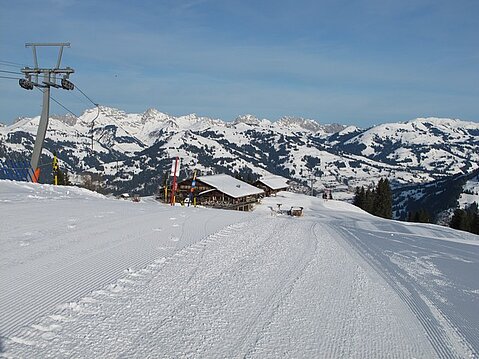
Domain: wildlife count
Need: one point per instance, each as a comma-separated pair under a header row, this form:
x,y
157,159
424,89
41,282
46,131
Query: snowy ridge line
x,y
445,344
417,152
29,337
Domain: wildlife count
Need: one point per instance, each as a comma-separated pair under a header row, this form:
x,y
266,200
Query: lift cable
x,y
11,78
89,99
11,72
99,110
11,63
58,103
93,124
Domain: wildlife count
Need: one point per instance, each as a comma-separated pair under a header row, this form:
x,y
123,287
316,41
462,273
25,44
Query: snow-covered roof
x,y
207,191
274,182
231,186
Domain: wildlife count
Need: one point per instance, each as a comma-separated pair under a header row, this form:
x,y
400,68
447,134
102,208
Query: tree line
x,y
377,201
421,216
466,219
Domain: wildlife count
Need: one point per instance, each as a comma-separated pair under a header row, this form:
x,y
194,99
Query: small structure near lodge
x,y
293,211
272,184
220,191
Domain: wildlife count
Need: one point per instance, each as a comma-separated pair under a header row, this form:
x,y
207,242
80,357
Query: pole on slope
x,y
42,128
166,192
311,179
175,171
193,186
49,80
55,169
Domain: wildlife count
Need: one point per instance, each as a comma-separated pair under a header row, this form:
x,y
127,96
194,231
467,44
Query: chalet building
x,y
220,191
272,184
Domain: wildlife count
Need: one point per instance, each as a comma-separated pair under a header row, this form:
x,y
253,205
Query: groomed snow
x,y
84,276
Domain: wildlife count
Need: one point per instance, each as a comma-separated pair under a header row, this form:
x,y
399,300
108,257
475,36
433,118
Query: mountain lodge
x,y
272,184
221,191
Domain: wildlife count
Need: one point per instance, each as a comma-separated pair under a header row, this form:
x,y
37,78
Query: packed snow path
x,y
59,244
254,289
432,269
335,283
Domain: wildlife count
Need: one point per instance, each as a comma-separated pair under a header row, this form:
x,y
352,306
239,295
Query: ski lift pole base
x,y
36,175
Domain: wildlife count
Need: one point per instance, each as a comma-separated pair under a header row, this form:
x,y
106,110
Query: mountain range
x,y
132,152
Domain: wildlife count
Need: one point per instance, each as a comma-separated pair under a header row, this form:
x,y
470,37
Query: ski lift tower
x,y
50,78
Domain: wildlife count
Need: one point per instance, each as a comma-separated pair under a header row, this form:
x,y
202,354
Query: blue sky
x,y
351,62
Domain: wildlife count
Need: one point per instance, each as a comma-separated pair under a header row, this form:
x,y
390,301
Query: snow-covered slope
x,y
438,198
470,193
430,143
86,276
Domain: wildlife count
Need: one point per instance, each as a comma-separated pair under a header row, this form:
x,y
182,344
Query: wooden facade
x,y
207,195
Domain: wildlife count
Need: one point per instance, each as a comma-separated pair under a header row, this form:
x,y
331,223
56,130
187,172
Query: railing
x,y
229,205
16,170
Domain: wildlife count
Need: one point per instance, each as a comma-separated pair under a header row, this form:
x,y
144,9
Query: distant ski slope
x,y
93,277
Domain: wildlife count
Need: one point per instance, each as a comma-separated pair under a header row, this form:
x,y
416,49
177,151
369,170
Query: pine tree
x,y
457,219
368,201
466,219
62,178
377,202
383,200
475,224
472,213
359,197
424,216
410,217
421,216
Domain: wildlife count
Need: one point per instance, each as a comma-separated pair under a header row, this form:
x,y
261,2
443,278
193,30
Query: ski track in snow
x,y
60,266
409,269
342,316
249,290
116,280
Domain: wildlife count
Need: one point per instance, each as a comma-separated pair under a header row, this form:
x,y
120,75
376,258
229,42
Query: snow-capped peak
x,y
247,119
68,119
348,130
299,123
153,115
